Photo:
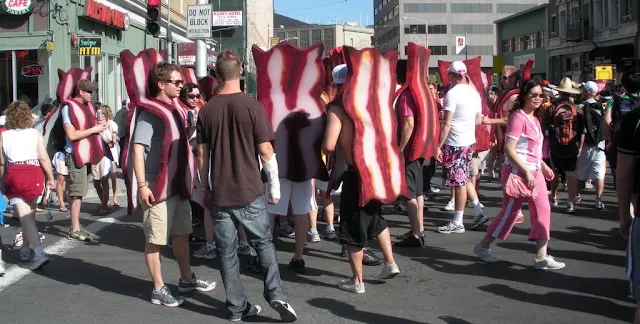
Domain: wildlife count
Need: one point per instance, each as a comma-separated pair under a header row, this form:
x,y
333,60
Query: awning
x,y
621,55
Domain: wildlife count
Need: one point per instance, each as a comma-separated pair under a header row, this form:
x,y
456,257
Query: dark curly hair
x,y
524,92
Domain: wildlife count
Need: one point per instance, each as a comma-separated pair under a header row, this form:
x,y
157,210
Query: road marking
x,y
62,246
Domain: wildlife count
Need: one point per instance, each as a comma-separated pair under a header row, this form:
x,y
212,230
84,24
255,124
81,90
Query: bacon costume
x,y
290,82
177,163
367,98
427,126
477,79
500,102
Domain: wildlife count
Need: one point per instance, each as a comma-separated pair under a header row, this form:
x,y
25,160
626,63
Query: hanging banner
x,y
461,45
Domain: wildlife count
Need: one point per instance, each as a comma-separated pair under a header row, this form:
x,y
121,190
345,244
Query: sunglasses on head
x,y
175,82
193,96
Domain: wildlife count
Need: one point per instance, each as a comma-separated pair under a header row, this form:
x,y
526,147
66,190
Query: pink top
x,y
528,133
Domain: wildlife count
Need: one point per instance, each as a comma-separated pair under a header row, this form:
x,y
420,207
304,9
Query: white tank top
x,y
20,145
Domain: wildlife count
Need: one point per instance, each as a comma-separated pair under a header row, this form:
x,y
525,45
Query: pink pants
x,y
539,210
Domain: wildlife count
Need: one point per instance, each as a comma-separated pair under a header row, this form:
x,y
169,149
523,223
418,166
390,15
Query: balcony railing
x,y
578,32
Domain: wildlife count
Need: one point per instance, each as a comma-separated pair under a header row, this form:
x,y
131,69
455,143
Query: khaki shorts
x,y
101,170
170,217
77,178
477,160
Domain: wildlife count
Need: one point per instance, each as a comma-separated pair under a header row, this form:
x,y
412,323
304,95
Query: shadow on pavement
x,y
580,303
614,260
347,311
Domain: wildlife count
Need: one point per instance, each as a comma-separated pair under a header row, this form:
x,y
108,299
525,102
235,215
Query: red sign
x,y
102,13
32,70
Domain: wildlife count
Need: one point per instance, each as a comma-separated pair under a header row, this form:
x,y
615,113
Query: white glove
x,y
270,168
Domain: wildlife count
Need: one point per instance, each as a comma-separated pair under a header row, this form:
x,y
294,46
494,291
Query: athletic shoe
x,y
195,284
370,259
400,207
2,270
451,228
485,254
548,263
554,202
297,266
329,234
205,252
389,271
412,241
570,209
287,314
286,230
38,262
244,248
251,310
314,236
478,221
520,217
577,200
451,205
25,254
599,204
164,297
350,286
81,235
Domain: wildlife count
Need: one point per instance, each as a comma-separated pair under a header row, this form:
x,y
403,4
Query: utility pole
x,y
169,36
201,53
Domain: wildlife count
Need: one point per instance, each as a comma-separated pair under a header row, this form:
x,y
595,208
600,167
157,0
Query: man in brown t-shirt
x,y
233,131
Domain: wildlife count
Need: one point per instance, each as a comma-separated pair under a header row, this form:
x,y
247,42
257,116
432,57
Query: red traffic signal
x,y
154,3
153,17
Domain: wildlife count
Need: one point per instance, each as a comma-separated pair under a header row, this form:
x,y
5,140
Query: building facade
x,y
38,39
585,33
521,37
332,35
438,23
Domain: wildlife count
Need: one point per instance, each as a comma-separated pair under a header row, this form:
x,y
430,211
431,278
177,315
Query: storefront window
x,y
25,79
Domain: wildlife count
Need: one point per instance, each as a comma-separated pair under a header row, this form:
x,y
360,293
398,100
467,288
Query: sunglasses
x,y
193,96
537,95
507,77
175,82
89,92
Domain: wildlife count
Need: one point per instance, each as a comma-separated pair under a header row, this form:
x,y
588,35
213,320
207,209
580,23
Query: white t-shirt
x,y
464,102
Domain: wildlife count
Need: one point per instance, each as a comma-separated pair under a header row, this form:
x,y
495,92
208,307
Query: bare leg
x,y
541,249
313,219
599,188
572,185
104,182
180,244
413,211
60,190
301,227
461,197
328,208
75,203
114,183
26,213
384,239
486,241
420,202
355,261
152,258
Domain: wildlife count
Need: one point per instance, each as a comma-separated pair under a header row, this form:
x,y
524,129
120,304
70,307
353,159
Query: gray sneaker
x,y
350,285
195,284
205,252
252,310
164,297
478,221
329,235
38,262
570,209
599,204
25,254
485,254
244,249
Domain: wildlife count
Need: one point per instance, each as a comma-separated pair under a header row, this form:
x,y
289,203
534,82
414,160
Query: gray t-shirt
x,y
149,132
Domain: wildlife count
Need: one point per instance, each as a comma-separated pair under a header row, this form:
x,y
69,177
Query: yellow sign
x,y
89,46
49,46
275,41
604,72
498,63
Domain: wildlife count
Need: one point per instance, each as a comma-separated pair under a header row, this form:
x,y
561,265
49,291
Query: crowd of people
x,y
543,137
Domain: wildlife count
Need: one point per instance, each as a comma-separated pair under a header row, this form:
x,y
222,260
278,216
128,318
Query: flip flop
x,y
116,204
64,210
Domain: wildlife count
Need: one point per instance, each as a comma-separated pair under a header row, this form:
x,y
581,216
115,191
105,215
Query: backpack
x,y
58,138
621,106
565,117
595,124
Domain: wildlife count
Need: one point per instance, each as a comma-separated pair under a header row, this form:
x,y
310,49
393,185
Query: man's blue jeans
x,y
255,221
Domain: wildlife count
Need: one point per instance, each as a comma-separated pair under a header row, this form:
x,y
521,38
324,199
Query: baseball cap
x,y
85,85
591,87
3,120
339,74
458,67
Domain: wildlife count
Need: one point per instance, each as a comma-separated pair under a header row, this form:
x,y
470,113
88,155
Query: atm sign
x,y
89,46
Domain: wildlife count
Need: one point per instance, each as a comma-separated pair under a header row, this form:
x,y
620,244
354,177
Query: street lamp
x,y
426,29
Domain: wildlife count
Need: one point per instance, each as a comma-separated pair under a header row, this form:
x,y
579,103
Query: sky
x,y
327,11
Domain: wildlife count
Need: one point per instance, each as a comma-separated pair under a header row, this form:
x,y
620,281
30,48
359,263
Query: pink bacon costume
x,y
290,82
89,150
177,165
427,125
478,80
367,98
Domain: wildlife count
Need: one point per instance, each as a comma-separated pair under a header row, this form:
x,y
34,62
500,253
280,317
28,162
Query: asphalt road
x,y
442,283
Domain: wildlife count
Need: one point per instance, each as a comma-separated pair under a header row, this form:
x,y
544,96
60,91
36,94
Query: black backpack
x,y
621,106
594,121
58,138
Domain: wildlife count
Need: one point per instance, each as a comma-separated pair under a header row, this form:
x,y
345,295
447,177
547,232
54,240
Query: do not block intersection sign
x,y
199,21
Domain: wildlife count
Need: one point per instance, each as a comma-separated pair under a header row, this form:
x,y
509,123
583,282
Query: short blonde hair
x,y
19,115
108,113
509,68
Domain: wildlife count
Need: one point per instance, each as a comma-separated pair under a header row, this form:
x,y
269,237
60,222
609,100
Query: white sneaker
x,y
287,313
389,271
599,204
314,237
450,206
470,204
451,228
350,285
2,270
548,263
485,254
38,261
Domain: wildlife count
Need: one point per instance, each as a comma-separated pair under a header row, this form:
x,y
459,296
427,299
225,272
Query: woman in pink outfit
x,y
524,153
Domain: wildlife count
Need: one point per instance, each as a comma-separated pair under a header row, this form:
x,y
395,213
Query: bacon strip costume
x,y
177,163
91,149
290,82
427,126
367,98
477,79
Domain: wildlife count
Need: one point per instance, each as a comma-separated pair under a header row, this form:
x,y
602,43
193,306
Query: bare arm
x,y
608,129
43,157
138,164
624,187
446,127
407,130
202,155
332,132
265,150
75,135
479,119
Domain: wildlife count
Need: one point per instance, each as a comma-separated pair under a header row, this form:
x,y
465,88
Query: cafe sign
x,y
89,46
17,7
106,15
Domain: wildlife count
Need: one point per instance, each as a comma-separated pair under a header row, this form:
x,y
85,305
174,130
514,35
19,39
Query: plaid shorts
x,y
456,165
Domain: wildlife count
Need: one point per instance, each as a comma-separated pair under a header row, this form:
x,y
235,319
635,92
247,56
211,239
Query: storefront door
x,y
24,75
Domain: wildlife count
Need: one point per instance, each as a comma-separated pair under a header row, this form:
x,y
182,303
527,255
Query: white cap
x,y
458,67
591,87
339,74
3,120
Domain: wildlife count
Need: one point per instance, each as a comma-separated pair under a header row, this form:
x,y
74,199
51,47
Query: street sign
x,y
275,41
227,18
199,21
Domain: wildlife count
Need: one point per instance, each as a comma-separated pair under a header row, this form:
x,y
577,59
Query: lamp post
x,y
426,29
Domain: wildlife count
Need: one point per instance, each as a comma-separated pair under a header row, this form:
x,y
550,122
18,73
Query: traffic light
x,y
153,17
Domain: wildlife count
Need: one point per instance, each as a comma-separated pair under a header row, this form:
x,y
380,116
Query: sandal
x,y
63,209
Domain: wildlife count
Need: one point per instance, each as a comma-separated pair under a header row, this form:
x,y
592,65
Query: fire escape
x,y
577,21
